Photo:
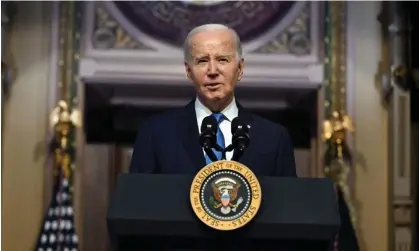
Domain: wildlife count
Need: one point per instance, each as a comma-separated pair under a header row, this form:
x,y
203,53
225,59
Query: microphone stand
x,y
238,150
211,154
236,155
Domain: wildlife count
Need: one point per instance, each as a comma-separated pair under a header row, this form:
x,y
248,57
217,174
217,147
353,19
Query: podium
x,y
153,212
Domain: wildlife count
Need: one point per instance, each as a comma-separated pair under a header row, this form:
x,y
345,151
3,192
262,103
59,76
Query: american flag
x,y
347,239
58,232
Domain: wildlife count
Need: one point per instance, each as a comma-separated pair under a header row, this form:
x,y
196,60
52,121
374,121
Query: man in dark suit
x,y
169,143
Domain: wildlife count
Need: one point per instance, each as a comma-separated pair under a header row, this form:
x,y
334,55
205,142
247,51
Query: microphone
x,y
240,132
208,136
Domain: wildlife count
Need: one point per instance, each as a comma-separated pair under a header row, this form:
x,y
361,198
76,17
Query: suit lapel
x,y
245,115
190,137
247,118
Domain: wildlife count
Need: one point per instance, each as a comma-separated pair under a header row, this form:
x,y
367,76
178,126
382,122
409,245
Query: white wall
x,y
370,140
24,130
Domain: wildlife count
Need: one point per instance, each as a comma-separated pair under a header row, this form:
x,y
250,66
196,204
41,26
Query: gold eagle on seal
x,y
225,191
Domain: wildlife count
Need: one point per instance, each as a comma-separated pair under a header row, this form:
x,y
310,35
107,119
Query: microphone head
x,y
240,132
238,124
209,124
208,136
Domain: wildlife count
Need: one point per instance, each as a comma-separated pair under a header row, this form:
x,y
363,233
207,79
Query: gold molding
x,y
298,30
109,34
66,76
64,63
335,108
338,56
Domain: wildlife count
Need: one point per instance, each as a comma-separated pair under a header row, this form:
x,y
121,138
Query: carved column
x,y
395,88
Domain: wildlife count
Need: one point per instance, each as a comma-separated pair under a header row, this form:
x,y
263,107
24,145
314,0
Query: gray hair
x,y
210,27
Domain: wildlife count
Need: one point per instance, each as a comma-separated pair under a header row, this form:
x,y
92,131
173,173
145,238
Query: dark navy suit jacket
x,y
169,143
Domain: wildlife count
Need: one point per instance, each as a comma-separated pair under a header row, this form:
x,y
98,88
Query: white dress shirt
x,y
230,112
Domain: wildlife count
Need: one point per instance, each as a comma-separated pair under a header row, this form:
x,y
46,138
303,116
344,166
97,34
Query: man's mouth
x,y
212,85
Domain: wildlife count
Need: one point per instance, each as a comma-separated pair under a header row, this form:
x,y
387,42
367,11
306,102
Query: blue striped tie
x,y
220,137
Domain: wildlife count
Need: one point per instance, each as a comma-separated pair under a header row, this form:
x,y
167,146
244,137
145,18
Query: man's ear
x,y
188,71
240,70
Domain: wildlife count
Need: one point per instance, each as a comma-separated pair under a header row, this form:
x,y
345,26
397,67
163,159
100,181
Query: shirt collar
x,y
230,112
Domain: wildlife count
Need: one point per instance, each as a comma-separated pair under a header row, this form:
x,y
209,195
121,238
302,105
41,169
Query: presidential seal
x,y
225,195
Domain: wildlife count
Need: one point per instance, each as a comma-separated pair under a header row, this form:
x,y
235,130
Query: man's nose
x,y
212,70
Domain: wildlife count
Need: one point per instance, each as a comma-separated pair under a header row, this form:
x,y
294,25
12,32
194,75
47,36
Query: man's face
x,y
213,66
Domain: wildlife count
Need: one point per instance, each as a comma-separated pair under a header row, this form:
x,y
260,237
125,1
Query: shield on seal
x,y
225,199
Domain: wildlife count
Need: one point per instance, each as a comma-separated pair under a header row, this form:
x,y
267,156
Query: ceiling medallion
x,y
170,21
203,3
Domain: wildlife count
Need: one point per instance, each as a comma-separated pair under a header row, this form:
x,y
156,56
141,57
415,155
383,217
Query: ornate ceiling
x,y
141,41
171,21
268,27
